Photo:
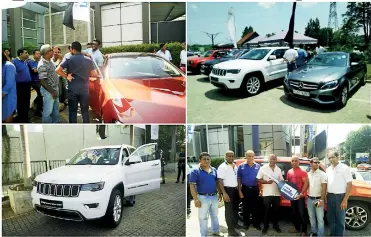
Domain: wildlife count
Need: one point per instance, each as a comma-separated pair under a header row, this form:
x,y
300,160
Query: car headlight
x,y
92,187
234,71
330,85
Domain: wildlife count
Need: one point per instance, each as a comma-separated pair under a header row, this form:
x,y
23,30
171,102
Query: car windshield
x,y
141,67
207,53
232,54
255,54
329,59
102,156
366,175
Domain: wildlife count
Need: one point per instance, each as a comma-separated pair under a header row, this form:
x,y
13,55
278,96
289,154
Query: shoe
x,y
182,182
258,227
264,231
293,230
216,234
277,229
313,234
233,233
177,181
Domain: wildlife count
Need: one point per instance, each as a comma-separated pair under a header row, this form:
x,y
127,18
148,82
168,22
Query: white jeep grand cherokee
x,y
250,71
95,182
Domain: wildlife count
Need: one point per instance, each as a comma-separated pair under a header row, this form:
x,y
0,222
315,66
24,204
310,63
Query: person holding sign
x,y
205,198
248,189
227,179
316,197
271,194
338,191
298,177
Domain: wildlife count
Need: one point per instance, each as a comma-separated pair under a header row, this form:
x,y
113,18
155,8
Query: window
x,y
29,28
131,150
125,153
103,156
279,53
29,24
146,153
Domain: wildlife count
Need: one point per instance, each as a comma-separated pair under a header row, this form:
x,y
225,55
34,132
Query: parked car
x,y
358,213
251,71
327,78
363,175
364,166
138,88
96,182
207,66
194,64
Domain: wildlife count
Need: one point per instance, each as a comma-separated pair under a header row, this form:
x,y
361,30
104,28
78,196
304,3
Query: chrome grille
x,y
303,85
58,190
219,72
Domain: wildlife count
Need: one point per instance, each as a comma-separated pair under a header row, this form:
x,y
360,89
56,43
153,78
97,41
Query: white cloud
x,y
266,4
194,7
307,4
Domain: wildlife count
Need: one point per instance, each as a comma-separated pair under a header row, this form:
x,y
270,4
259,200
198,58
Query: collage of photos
x,y
186,118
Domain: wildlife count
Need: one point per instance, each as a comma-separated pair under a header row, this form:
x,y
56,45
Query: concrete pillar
x,y
146,22
16,30
97,20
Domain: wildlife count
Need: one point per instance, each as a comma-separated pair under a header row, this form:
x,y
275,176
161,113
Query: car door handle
x,y
156,164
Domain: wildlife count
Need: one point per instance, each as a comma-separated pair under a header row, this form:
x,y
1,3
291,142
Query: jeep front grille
x,y
58,190
219,72
303,85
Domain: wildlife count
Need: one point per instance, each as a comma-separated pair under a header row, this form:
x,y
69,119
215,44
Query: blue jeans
x,y
209,206
50,107
316,215
335,216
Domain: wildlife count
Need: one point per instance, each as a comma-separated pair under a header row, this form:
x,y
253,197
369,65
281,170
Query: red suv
x,y
359,203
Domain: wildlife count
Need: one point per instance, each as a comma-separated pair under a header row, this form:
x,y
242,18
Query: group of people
x,y
233,184
164,53
56,79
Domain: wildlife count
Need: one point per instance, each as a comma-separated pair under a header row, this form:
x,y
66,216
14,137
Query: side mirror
x,y
272,57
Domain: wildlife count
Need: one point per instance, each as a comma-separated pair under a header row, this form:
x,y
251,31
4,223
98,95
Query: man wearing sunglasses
x,y
338,191
316,198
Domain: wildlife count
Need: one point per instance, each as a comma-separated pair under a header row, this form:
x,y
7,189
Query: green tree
x,y
359,15
313,28
357,142
247,30
325,36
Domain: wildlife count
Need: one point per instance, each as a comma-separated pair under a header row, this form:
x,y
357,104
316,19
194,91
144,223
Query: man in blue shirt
x,y
79,69
35,83
302,57
23,80
248,190
205,198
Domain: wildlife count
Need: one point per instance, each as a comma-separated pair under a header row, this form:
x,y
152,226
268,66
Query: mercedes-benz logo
x,y
301,85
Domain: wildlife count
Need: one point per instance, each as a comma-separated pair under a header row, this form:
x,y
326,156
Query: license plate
x,y
214,78
51,203
302,93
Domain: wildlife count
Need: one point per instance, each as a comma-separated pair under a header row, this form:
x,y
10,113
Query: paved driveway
x,y
159,213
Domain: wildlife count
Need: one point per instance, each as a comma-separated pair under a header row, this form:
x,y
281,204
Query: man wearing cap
x,y
248,190
316,197
338,190
227,179
205,198
49,81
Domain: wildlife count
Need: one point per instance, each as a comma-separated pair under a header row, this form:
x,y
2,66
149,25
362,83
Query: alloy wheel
x,y
117,208
356,217
344,95
253,85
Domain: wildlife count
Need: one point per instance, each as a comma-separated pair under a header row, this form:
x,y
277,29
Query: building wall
x,y
62,142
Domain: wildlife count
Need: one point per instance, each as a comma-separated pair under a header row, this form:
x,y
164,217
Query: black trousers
x,y
250,205
271,206
62,90
163,174
23,101
74,99
181,169
231,208
189,198
299,220
39,98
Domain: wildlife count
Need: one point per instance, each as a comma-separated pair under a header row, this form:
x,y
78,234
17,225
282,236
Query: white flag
x,y
154,132
190,130
81,11
232,27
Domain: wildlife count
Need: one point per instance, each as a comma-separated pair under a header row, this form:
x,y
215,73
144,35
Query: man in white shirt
x,y
319,49
271,194
227,180
290,57
316,197
164,53
338,190
183,56
95,53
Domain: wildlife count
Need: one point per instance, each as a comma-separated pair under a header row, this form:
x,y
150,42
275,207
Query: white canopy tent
x,y
279,38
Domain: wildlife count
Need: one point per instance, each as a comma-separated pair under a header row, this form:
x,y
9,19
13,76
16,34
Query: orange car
x,y
358,214
364,166
138,88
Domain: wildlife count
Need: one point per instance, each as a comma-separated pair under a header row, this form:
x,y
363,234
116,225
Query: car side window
x,y
279,53
131,150
125,153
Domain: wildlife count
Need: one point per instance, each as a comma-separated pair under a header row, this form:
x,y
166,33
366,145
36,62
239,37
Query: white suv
x,y
250,71
95,182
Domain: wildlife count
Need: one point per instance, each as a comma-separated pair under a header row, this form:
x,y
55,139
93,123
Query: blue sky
x,y
264,17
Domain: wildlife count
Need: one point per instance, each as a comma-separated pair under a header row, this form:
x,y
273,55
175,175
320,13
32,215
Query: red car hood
x,y
151,100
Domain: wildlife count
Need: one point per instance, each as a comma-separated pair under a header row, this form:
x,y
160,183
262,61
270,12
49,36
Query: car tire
x,y
252,84
357,215
363,82
343,96
113,214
